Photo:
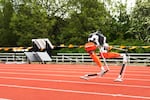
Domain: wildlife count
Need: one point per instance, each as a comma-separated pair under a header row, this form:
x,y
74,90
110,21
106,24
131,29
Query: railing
x,y
143,58
84,57
13,57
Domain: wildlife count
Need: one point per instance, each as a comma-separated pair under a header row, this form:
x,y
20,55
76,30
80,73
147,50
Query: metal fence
x,y
11,57
84,57
143,58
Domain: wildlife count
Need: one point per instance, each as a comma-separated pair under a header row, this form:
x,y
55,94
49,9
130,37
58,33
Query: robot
x,y
96,41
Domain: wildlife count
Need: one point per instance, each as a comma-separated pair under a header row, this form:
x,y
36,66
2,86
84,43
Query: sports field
x,y
62,82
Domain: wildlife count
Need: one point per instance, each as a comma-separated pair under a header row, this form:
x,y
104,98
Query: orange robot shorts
x,y
90,46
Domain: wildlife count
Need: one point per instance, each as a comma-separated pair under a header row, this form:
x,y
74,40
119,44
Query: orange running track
x,y
62,82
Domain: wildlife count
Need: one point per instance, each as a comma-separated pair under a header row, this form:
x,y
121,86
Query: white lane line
x,y
146,75
89,68
28,70
38,74
4,99
74,91
76,82
59,71
67,68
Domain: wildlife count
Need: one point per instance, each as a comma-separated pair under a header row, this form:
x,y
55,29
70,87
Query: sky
x,y
131,3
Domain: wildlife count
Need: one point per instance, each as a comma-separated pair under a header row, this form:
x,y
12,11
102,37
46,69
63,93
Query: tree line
x,y
70,21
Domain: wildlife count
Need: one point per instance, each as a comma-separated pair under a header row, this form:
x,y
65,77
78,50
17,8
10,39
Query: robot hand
x,y
105,48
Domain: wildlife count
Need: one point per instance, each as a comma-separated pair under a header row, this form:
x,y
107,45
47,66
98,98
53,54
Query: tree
x,y
140,26
119,22
57,11
84,17
7,38
30,21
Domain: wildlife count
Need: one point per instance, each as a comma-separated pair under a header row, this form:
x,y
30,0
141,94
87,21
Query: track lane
x,y
75,76
74,85
62,83
37,93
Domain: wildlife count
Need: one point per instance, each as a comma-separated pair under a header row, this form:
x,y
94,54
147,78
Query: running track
x,y
62,82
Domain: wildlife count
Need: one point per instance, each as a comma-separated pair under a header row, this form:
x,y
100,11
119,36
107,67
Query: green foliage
x,y
30,22
89,16
70,22
140,21
6,37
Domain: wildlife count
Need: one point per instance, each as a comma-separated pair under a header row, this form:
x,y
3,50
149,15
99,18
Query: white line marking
x,y
60,71
74,91
77,82
18,73
4,99
67,68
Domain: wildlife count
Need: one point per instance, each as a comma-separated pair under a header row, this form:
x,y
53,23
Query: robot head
x,y
98,38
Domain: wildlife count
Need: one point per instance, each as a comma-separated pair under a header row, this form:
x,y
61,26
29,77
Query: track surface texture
x,y
62,82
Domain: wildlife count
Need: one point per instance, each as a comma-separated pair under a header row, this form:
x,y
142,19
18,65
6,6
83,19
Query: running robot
x,y
98,40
